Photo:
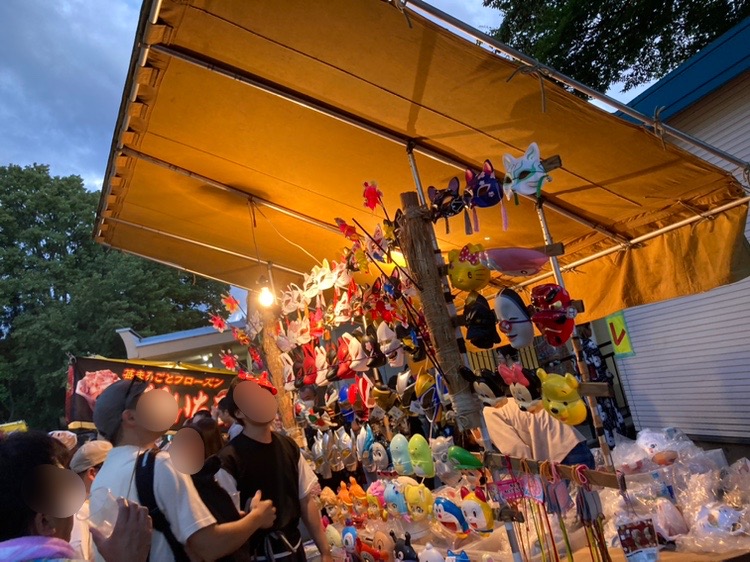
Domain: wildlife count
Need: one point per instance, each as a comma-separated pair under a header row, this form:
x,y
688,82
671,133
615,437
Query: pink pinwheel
x,y
218,322
373,196
230,361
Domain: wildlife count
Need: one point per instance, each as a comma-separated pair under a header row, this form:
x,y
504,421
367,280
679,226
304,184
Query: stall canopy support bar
x,y
410,144
202,244
554,74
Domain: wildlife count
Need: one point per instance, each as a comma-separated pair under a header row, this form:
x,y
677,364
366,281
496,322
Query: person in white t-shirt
x,y
86,462
536,436
226,419
190,521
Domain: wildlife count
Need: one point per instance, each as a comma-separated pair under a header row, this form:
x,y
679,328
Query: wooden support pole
x,y
419,246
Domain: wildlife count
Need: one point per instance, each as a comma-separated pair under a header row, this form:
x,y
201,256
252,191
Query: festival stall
x,y
245,143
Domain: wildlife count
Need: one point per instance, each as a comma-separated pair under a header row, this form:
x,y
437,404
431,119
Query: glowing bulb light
x,y
265,297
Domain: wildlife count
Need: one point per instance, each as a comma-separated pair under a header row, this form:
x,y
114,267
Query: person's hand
x,y
263,510
130,540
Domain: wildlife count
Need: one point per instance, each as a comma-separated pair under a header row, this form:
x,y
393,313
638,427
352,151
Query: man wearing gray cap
x,y
86,463
191,524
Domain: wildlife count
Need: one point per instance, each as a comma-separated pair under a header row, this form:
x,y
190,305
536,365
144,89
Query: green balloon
x,y
421,457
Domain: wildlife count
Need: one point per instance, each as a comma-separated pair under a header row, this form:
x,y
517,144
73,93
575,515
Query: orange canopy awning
x,y
297,103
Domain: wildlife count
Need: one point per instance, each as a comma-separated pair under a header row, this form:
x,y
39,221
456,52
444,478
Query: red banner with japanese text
x,y
194,388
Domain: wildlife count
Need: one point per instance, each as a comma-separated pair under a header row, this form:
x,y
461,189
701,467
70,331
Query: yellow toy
x,y
561,399
358,497
477,511
465,269
418,501
330,502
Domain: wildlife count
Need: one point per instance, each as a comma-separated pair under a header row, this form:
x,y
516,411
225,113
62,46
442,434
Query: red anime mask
x,y
554,316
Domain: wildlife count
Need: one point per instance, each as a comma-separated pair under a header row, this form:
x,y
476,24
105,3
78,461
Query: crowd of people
x,y
245,503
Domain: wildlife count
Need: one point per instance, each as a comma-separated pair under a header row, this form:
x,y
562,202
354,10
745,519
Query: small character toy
x,y
554,317
403,551
400,455
349,539
359,498
461,459
480,321
440,446
365,442
418,501
457,556
395,502
330,502
561,398
421,457
489,388
430,554
514,319
390,345
465,269
451,517
524,175
525,387
383,542
477,511
425,392
333,536
380,456
376,506
445,203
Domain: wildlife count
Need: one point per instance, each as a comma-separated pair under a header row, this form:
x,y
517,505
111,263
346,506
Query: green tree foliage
x,y
62,293
603,42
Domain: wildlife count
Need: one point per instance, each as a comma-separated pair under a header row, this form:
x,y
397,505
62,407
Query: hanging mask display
x,y
480,321
365,442
426,394
524,175
383,397
395,502
514,262
399,449
554,316
380,456
489,388
461,459
421,457
561,397
375,357
390,345
482,190
450,516
440,446
418,501
356,353
514,319
445,203
525,387
466,270
477,511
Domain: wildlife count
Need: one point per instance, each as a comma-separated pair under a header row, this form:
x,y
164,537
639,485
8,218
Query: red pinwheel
x,y
373,196
218,322
230,361
346,229
230,303
241,336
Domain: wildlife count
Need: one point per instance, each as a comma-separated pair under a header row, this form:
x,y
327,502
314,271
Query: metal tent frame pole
x,y
583,368
568,81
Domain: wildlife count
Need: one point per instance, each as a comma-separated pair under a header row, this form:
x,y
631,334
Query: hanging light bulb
x,y
265,297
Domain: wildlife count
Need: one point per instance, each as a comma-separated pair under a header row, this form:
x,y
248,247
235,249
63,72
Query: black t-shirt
x,y
272,468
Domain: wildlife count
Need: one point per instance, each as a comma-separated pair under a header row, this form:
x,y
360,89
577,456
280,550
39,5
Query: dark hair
x,y
231,404
210,433
20,454
202,413
223,404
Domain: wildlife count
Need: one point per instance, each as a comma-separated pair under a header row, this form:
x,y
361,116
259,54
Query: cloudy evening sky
x,y
62,71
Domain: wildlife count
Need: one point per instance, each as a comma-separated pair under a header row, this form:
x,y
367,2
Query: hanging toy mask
x,y
465,269
450,516
525,387
390,345
482,190
376,501
375,357
524,175
443,470
477,511
418,501
514,319
445,203
489,388
380,457
561,398
554,316
400,454
426,394
421,457
480,321
395,503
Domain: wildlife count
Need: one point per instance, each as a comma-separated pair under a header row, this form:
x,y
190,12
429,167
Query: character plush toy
x,y
553,316
477,511
450,516
418,501
445,203
480,321
465,269
421,457
524,175
403,551
400,454
525,387
514,319
430,554
561,398
489,388
482,190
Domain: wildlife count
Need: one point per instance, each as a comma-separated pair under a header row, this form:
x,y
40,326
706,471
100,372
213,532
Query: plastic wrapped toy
x,y
430,554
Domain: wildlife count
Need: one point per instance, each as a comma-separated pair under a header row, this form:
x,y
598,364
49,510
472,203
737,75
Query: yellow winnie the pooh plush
x,y
465,269
561,399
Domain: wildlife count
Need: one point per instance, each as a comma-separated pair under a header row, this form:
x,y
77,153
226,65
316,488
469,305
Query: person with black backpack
x,y
135,471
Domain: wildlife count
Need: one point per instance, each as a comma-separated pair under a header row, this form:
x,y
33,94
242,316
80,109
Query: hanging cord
x,y
659,126
534,508
254,207
535,71
400,5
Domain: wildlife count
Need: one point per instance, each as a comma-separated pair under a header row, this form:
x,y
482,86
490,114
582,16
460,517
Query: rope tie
x,y
535,71
659,126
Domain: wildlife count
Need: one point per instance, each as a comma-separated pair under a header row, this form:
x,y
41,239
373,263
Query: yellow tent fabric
x,y
207,104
